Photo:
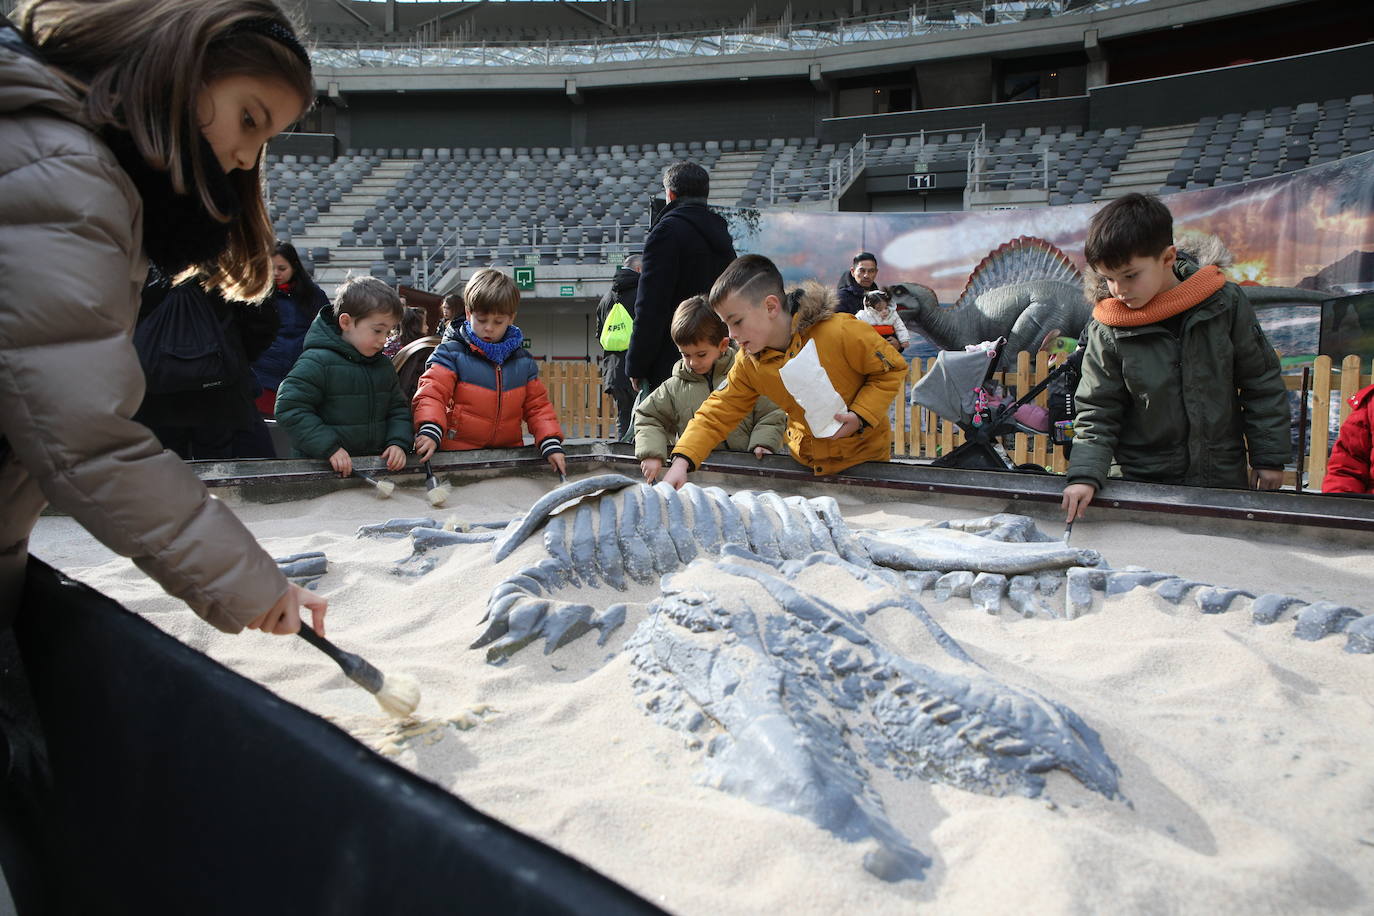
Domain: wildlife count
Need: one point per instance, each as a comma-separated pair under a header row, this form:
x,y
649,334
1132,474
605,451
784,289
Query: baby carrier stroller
x,y
960,388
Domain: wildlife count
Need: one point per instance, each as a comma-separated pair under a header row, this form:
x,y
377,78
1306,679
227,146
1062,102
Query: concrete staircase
x,y
730,177
324,232
1148,163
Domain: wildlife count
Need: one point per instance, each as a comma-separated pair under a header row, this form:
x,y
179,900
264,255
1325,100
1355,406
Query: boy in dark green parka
x,y
342,397
1179,380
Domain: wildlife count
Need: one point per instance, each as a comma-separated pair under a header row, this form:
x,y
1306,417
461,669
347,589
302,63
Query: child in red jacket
x,y
480,383
1351,468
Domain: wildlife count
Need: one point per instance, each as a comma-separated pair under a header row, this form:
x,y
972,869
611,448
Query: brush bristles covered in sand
x,y
438,496
385,488
399,696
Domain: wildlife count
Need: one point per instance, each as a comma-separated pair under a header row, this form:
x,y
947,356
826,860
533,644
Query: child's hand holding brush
x,y
284,617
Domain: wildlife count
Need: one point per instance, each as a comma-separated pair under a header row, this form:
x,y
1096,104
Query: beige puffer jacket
x,y
71,268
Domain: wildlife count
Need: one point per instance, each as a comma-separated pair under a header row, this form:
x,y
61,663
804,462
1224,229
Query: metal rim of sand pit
x,y
1253,506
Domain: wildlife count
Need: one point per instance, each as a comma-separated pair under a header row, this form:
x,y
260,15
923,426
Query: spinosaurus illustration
x,y
1027,288
757,647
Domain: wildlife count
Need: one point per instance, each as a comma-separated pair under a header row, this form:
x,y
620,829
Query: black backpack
x,y
183,344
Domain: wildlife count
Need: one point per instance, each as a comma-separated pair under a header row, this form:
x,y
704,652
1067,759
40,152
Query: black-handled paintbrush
x,y
398,695
436,492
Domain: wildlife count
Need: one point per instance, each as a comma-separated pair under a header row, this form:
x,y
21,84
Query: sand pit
x,y
1245,754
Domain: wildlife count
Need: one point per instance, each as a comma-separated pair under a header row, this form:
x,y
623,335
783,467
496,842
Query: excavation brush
x,y
398,695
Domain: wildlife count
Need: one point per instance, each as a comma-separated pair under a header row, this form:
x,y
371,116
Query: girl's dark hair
x,y
140,66
752,276
302,284
412,324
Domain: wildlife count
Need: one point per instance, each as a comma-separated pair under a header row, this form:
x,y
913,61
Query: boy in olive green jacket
x,y
707,355
1179,383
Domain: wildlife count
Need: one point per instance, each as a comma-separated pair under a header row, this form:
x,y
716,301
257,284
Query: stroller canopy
x,y
949,388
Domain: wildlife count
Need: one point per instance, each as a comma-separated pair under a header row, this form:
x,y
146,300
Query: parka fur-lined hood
x,y
1197,248
811,303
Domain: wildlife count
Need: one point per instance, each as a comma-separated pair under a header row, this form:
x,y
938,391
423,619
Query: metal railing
x,y
788,185
991,170
932,16
616,240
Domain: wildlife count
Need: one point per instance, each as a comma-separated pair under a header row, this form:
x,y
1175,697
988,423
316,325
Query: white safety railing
x,y
424,49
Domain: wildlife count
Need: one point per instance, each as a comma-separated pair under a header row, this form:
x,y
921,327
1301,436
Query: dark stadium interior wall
x,y
999,117
1264,35
1340,73
453,119
751,109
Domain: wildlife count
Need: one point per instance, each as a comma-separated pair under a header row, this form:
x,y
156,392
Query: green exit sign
x,y
524,278
567,290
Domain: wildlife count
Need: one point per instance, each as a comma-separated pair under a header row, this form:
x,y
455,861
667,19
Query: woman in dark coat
x,y
298,300
222,421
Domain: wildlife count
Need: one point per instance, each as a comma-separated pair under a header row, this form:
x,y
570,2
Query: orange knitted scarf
x,y
1201,285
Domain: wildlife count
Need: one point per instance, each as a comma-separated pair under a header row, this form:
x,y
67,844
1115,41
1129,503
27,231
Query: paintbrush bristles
x,y
438,496
399,696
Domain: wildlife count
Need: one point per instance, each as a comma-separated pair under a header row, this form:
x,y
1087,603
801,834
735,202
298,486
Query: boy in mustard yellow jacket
x,y
772,327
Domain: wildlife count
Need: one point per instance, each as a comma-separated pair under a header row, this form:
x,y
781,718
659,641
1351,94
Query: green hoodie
x,y
1182,409
663,415
334,397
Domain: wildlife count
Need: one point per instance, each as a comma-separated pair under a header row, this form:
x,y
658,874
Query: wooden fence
x,y
585,412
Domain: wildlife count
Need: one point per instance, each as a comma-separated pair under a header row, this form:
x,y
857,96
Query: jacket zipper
x,y
499,391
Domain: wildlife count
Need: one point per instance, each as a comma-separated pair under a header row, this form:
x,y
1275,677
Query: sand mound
x,y
1244,753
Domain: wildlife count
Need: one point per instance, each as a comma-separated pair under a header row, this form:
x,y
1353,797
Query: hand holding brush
x,y
398,695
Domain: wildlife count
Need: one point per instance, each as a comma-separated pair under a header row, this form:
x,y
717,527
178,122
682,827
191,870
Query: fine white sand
x,y
1246,756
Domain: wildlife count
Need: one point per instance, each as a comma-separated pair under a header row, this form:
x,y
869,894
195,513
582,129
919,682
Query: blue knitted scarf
x,y
499,351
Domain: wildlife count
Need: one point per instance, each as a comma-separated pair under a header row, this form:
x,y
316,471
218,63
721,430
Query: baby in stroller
x,y
960,388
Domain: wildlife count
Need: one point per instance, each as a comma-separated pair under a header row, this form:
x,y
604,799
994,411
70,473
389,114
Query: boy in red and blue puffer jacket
x,y
479,384
1351,468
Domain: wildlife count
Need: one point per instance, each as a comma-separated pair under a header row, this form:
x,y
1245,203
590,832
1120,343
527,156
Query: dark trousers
x,y
624,410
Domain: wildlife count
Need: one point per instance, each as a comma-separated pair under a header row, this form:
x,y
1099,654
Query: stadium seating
x,y
395,212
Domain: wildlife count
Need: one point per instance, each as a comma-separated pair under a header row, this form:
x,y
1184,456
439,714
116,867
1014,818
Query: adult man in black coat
x,y
686,250
614,381
860,279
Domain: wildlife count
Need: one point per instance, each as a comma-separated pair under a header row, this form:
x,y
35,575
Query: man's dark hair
x,y
687,179
1132,226
752,276
863,256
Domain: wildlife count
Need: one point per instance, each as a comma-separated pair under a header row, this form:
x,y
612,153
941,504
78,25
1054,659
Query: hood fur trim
x,y
814,303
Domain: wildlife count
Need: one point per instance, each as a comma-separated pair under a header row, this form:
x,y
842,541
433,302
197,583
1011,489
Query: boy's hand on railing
x,y
650,467
424,447
341,462
1265,479
761,450
395,457
849,424
1076,499
559,463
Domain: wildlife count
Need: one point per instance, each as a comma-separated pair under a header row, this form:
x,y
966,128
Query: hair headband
x,y
278,33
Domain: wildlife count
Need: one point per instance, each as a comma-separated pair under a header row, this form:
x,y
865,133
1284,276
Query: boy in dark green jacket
x,y
342,398
1178,379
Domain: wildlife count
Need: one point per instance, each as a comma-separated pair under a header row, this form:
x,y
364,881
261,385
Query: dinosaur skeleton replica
x,y
758,647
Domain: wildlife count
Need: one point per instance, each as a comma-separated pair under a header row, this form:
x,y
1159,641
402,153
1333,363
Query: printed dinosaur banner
x,y
1311,230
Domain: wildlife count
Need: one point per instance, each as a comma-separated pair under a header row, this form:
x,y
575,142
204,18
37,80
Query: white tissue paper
x,y
805,379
